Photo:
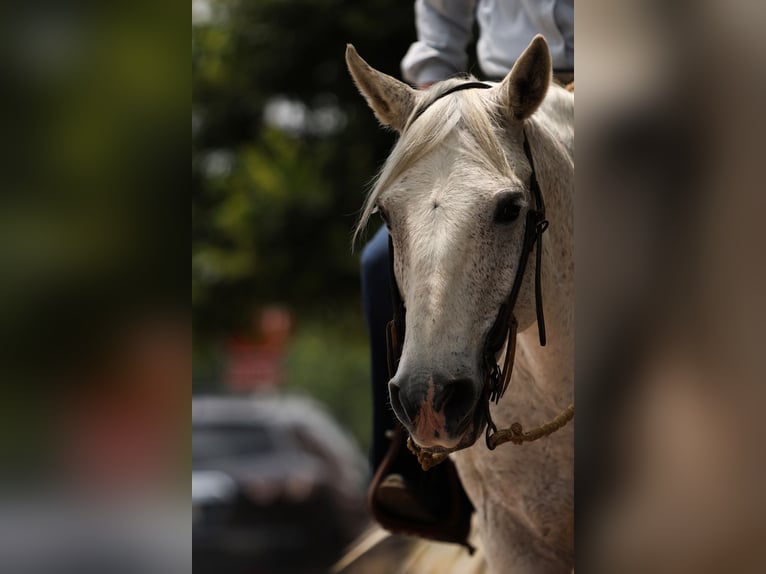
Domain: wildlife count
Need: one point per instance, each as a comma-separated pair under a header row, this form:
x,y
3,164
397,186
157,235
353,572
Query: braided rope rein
x,y
494,437
515,433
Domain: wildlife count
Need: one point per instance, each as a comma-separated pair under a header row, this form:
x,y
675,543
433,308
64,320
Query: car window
x,y
213,442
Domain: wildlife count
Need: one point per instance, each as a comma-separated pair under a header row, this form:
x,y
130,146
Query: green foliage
x,y
273,206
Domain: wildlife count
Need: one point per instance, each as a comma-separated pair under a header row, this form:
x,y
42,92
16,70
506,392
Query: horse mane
x,y
477,115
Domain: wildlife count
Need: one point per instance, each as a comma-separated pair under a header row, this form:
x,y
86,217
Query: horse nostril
x,y
458,397
396,403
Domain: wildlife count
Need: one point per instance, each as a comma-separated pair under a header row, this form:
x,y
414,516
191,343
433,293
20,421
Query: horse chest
x,y
523,495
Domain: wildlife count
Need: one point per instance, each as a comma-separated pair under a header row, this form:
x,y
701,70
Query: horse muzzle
x,y
436,410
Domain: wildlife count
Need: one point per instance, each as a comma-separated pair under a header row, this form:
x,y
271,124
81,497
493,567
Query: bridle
x,y
503,330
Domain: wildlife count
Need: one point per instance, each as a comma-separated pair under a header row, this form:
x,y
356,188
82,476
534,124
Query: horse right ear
x,y
525,86
391,100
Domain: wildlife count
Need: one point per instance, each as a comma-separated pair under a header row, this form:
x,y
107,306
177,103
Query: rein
x,y
503,330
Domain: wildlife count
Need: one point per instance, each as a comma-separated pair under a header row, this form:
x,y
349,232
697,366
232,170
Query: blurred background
x,y
670,370
95,343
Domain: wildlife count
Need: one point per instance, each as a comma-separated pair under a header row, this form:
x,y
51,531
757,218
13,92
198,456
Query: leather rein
x,y
503,330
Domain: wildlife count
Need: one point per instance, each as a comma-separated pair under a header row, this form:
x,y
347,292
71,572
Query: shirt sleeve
x,y
444,28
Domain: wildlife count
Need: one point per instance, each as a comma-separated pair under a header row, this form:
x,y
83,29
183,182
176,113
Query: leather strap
x,y
452,90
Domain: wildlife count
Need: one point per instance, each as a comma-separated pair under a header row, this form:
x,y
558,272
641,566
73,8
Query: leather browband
x,y
452,90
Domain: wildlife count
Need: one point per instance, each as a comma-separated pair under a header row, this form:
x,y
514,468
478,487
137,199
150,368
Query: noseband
x,y
503,330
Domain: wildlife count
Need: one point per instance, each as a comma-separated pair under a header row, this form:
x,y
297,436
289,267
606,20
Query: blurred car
x,y
277,486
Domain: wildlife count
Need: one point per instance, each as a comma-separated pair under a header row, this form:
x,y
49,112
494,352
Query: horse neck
x,y
552,366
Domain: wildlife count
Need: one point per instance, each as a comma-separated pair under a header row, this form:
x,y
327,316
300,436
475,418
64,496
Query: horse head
x,y
454,194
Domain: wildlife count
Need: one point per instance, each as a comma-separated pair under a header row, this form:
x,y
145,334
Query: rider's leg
x,y
376,297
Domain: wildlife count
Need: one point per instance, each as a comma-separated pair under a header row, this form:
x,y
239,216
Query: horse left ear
x,y
391,100
525,86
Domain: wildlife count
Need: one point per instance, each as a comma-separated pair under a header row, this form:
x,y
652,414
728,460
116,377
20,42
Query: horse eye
x,y
507,209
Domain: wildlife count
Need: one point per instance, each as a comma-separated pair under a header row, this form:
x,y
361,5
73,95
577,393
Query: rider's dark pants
x,y
376,297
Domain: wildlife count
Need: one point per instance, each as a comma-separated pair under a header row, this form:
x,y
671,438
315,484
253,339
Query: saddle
x,y
433,506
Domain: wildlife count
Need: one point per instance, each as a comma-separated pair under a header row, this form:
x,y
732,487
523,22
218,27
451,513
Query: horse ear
x,y
391,100
525,86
